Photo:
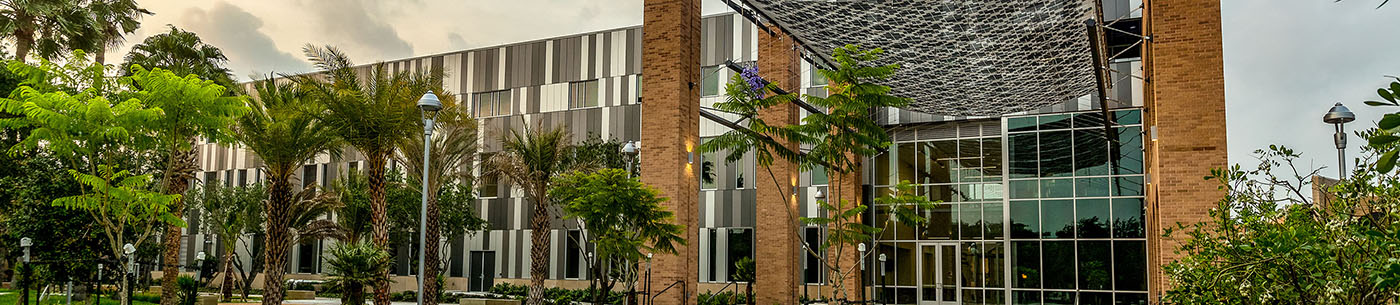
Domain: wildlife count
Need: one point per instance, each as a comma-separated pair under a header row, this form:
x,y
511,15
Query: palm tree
x,y
354,265
453,147
182,52
284,131
530,160
45,24
110,21
371,112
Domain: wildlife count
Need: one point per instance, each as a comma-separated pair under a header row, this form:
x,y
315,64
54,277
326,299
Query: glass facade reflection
x,y
1036,209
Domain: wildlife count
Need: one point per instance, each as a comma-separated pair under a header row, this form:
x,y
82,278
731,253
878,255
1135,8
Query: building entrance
x,y
938,265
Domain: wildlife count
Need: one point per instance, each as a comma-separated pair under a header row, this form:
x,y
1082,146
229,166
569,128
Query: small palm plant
x,y
355,266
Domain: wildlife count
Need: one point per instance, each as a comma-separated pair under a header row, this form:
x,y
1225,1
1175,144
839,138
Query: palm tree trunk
x,y
171,270
379,220
431,254
226,289
278,241
539,250
100,55
24,36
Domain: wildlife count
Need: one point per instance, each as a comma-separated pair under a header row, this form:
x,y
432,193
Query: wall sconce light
x,y
690,157
1154,133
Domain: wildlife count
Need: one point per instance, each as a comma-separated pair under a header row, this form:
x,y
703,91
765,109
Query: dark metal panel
x,y
537,71
606,49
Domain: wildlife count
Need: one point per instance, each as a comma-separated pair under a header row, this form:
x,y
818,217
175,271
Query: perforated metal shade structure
x,y
959,57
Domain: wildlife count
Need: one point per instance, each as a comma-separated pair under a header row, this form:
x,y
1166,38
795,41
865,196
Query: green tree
x,y
42,24
372,112
453,148
194,108
623,219
109,21
183,53
228,213
78,114
844,228
355,265
284,130
1272,240
530,159
838,138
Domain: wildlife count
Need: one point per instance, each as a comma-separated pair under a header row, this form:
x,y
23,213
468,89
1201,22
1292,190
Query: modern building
x,y
1047,196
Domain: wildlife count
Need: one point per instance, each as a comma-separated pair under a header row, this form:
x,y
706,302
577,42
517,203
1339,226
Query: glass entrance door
x,y
938,265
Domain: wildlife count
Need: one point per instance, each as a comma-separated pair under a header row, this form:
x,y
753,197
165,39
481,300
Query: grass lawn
x,y
12,297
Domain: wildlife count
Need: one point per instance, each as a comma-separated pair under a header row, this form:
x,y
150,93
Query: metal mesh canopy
x,y
959,57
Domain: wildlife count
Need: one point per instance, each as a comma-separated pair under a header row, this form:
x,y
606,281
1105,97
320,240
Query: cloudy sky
x,y
1286,62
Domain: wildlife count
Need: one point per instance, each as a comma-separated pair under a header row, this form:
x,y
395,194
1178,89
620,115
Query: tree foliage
x,y
231,214
355,265
836,139
183,53
623,221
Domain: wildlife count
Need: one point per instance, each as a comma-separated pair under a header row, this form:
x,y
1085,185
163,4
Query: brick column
x,y
670,131
1186,103
848,187
778,249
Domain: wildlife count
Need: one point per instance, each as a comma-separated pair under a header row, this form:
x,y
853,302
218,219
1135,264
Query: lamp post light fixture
x,y
630,149
199,266
648,281
882,277
26,243
429,106
1338,116
130,251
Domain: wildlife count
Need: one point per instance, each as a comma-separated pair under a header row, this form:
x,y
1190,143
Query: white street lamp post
x,y
130,251
429,105
199,266
1337,116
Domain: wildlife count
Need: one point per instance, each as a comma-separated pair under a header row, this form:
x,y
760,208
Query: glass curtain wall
x,y
1076,208
1045,210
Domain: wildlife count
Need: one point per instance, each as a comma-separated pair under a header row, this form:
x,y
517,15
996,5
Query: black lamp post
x,y
1338,116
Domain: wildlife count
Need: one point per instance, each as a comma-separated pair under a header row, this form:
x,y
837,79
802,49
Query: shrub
x,y
722,298
189,290
354,267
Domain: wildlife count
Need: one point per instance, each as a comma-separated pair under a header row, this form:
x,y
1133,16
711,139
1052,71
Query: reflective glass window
x,y
1130,265
1021,124
1056,154
1129,151
1025,219
1023,155
1088,119
1057,218
1128,117
994,254
991,159
1127,218
1095,269
1025,189
939,220
1025,259
1131,299
992,215
1090,152
1095,298
1059,264
1092,217
1091,187
1025,297
970,219
1127,186
1059,298
1054,121
1056,188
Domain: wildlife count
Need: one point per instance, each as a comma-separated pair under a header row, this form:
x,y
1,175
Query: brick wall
x,y
670,132
1186,103
778,250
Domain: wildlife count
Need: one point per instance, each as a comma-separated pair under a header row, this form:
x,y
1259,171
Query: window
x,y
1127,218
490,184
1130,265
812,269
1057,219
1026,261
308,175
1094,265
1025,219
740,247
818,79
819,175
573,253
583,94
228,178
1093,218
494,103
242,177
710,81
1059,264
